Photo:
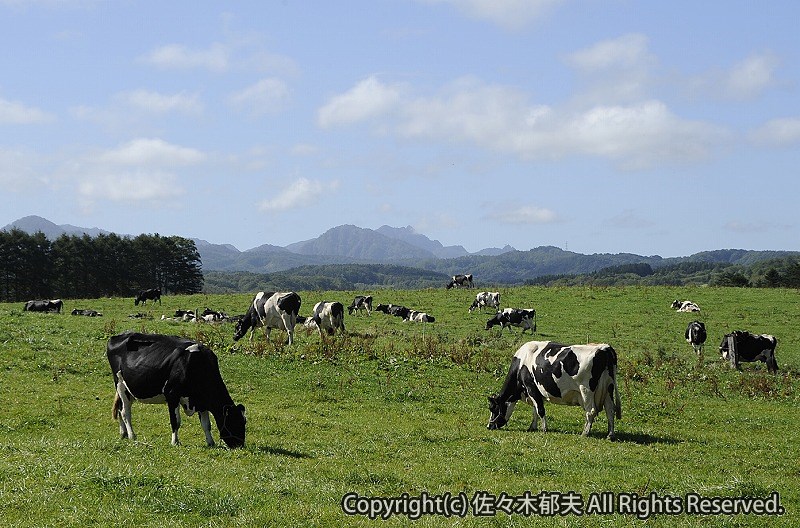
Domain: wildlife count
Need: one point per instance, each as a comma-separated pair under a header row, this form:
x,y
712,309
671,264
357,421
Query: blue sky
x,y
598,125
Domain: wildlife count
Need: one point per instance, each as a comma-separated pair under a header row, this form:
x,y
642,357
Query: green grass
x,y
396,408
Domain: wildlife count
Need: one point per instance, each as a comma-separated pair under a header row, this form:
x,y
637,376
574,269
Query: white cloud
x,y
499,118
366,100
781,132
160,104
745,80
150,152
526,214
625,52
267,96
302,192
178,57
509,14
750,77
148,187
143,172
16,113
614,70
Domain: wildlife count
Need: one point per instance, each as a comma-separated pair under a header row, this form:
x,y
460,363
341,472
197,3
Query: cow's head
x,y
494,321
241,329
499,412
231,427
450,284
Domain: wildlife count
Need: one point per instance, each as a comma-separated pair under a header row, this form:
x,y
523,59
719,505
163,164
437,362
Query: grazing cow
x,y
328,317
685,306
582,375
87,313
461,281
394,309
419,317
740,346
484,299
696,336
53,305
525,319
153,294
155,368
361,303
270,310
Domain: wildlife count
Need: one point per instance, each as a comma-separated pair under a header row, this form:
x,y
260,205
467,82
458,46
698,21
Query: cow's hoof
x,y
611,438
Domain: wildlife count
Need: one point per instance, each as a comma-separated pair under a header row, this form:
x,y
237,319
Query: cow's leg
x,y
609,405
124,414
772,364
174,419
589,407
289,327
538,412
205,423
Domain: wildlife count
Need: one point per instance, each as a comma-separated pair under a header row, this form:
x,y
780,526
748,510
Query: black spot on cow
x,y
605,359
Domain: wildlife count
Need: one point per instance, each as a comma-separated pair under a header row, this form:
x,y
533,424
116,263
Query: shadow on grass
x,y
644,439
279,451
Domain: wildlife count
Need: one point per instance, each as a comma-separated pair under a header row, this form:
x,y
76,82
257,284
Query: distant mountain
x,y
33,224
493,252
410,236
360,244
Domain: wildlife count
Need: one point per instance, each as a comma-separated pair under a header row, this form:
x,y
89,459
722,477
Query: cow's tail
x,y
116,407
612,369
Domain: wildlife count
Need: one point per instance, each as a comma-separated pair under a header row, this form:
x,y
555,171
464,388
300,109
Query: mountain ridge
x,y
353,245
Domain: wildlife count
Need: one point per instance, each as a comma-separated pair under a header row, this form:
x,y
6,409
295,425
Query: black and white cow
x,y
419,317
361,303
484,299
685,306
394,309
210,315
155,368
328,317
542,371
270,310
525,319
87,313
742,347
47,305
461,281
696,336
153,294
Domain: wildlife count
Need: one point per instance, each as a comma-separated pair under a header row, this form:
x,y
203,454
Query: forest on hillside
x,y
771,273
33,267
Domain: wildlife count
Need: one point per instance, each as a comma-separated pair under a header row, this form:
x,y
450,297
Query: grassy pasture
x,y
395,408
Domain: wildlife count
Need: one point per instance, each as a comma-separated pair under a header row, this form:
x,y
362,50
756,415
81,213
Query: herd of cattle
x,y
155,368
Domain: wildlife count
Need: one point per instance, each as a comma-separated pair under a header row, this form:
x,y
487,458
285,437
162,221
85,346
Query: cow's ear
x,y
243,410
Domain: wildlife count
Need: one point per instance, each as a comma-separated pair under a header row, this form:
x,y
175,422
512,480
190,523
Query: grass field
x,y
398,408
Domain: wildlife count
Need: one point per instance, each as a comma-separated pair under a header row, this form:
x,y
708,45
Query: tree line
x,y
325,277
771,273
34,267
